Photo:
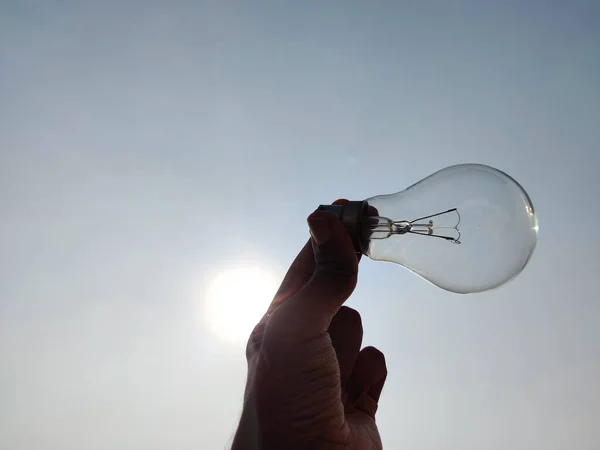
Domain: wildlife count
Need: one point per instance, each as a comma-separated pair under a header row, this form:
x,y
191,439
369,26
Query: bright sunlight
x,y
236,300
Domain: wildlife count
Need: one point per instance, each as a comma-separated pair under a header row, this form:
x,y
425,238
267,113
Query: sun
x,y
236,300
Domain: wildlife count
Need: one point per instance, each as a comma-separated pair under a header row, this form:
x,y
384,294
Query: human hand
x,y
310,386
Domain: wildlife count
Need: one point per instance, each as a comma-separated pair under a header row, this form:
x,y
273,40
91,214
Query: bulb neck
x,y
353,215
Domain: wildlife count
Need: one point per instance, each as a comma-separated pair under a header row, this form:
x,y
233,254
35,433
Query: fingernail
x,y
320,229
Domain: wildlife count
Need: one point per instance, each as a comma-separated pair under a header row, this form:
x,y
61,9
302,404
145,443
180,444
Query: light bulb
x,y
466,228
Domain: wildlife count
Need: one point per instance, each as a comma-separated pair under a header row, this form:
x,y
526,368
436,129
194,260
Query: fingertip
x,y
373,352
340,202
322,214
372,211
350,316
335,225
370,373
375,357
347,319
370,366
327,215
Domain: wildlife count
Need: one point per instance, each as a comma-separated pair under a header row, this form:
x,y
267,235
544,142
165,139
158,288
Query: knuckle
x,y
255,340
343,272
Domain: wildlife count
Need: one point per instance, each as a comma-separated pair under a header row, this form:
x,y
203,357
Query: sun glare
x,y
236,299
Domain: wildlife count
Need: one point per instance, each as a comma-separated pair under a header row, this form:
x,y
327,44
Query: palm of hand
x,y
324,393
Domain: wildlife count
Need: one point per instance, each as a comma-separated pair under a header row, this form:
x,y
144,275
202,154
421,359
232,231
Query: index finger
x,y
299,272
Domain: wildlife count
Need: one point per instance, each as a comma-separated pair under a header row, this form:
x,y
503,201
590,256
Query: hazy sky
x,y
147,147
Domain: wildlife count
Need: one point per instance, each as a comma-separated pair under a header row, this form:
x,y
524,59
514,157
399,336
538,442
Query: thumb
x,y
334,277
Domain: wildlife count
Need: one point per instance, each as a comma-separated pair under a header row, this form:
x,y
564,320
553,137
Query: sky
x,y
151,152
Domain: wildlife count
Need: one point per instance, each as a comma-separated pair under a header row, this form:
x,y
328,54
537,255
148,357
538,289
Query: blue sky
x,y
145,148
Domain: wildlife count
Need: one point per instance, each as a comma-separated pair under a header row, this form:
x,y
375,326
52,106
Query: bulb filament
x,y
444,228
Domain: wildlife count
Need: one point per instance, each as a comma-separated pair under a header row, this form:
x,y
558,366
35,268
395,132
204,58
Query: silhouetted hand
x,y
310,386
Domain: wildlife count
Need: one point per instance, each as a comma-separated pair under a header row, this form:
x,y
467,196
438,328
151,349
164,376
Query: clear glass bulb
x,y
467,228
